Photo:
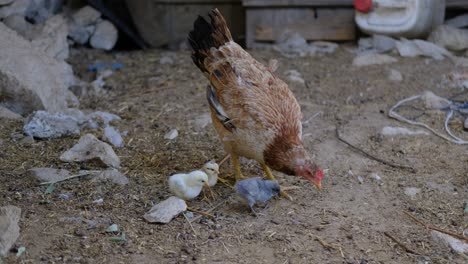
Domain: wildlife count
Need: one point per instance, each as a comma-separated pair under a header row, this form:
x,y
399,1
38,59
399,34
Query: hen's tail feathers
x,y
206,35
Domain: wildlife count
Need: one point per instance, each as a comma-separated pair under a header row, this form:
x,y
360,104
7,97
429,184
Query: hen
x,y
253,111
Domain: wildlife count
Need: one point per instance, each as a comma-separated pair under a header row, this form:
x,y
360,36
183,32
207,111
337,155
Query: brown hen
x,y
253,111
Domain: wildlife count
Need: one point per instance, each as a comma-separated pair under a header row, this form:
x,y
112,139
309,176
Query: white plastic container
x,y
401,18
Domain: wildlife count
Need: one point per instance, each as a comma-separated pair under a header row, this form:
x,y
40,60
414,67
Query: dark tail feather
x,y
207,35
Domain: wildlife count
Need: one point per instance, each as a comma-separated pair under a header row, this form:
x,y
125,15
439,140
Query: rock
x,y
113,136
383,43
166,60
393,131
166,210
105,36
7,114
101,117
372,59
449,241
111,175
360,179
90,149
376,177
293,45
466,123
31,79
417,47
6,2
325,47
412,191
432,101
49,174
171,134
42,124
80,34
201,121
395,75
51,37
294,76
19,24
17,7
450,38
9,229
458,22
86,16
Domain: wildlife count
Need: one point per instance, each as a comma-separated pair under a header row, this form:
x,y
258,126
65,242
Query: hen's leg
x,y
271,177
235,162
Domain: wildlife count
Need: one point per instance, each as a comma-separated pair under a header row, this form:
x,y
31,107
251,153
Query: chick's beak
x,y
217,171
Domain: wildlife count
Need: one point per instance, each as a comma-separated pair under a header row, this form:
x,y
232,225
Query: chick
x,y
188,185
256,190
211,168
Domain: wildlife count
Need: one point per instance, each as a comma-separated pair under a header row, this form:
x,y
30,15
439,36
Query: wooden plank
x,y
291,3
328,24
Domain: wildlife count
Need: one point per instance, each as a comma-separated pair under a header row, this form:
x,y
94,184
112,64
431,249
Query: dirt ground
x,y
344,223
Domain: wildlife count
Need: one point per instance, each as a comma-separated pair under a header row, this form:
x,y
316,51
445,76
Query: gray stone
x,y
372,59
19,24
39,11
412,191
30,79
383,43
171,134
450,38
86,16
395,75
42,124
432,101
90,149
417,47
9,229
111,175
458,22
449,241
80,34
105,36
6,2
17,7
466,123
51,37
49,174
166,210
113,136
102,117
8,114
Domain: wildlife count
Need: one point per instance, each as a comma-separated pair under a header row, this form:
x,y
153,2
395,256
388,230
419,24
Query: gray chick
x,y
256,190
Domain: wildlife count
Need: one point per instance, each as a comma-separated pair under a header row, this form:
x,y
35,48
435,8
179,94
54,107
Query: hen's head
x,y
292,159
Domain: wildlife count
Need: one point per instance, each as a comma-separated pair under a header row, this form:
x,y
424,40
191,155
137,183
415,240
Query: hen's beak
x,y
316,183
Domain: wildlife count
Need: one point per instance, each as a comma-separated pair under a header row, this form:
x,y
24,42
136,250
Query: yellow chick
x,y
188,185
211,168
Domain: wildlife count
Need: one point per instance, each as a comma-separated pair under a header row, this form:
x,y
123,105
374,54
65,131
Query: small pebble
x,y
360,179
98,201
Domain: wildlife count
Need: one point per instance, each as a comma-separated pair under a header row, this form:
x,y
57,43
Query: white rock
x,y
294,76
412,191
6,2
372,59
103,117
32,79
201,121
393,131
51,37
49,174
80,34
42,124
395,75
19,24
293,45
447,240
17,7
166,60
324,47
113,136
383,43
112,175
458,22
105,36
376,177
432,101
86,16
9,229
417,47
171,134
360,179
90,149
166,210
450,38
8,114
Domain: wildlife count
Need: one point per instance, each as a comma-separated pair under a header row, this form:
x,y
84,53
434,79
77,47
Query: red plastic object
x,y
363,6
